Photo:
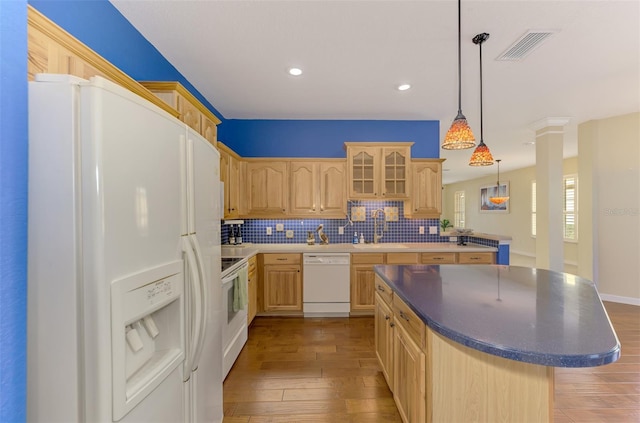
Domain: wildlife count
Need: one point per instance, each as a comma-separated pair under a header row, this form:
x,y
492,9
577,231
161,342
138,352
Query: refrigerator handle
x,y
204,301
196,305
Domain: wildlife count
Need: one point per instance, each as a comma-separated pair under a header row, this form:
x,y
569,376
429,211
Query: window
x,y
458,210
533,209
570,207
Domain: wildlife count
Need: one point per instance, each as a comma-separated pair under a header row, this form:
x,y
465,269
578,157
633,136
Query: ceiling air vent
x,y
525,45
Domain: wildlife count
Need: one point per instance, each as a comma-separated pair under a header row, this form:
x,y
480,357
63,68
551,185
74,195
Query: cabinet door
x,y
384,338
304,189
267,189
234,187
333,189
395,172
363,169
426,200
362,287
208,129
282,288
409,377
189,113
252,306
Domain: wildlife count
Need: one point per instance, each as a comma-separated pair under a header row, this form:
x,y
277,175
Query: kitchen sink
x,y
380,246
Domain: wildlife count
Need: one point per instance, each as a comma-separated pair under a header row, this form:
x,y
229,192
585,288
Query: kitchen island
x,y
479,343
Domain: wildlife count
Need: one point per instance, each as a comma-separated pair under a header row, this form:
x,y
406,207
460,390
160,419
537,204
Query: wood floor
x,y
325,370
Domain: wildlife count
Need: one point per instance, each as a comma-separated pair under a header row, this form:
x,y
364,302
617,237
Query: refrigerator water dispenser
x,y
147,315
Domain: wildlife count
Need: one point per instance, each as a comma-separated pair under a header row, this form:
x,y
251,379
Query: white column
x,y
549,194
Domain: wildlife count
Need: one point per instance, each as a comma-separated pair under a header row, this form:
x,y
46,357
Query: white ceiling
x,y
354,53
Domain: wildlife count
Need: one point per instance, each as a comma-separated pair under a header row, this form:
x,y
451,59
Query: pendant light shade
x,y
460,135
482,155
501,196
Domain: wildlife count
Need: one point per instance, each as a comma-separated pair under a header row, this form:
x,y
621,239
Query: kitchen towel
x,y
240,290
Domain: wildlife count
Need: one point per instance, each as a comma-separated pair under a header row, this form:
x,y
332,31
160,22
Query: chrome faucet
x,y
376,213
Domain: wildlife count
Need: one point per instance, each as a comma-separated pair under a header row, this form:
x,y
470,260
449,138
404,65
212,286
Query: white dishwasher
x,y
326,287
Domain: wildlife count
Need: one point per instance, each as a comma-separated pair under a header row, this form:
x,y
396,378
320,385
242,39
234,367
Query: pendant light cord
x,y
481,103
459,62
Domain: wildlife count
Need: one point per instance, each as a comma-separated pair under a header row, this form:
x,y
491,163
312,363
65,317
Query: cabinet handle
x,y
386,317
281,259
392,324
380,288
438,258
404,316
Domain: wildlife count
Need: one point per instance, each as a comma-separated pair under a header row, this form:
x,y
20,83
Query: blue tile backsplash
x,y
402,230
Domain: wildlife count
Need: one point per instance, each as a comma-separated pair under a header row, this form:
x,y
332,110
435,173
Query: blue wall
x,y
324,138
13,209
99,25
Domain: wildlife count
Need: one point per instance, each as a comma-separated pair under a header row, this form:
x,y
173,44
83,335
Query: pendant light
x,y
481,156
460,135
500,197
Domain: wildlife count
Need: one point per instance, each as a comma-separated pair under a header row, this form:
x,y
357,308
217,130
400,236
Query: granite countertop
x,y
434,247
524,314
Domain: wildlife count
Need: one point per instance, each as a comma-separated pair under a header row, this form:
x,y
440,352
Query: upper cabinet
x,y
426,197
379,170
191,111
230,175
266,189
318,188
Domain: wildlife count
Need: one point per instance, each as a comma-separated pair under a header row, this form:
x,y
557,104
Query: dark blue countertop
x,y
524,314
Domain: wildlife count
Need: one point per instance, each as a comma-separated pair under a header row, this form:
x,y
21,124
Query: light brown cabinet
x,y
266,188
384,329
409,376
363,281
438,258
379,170
426,191
191,111
230,176
318,188
282,280
252,291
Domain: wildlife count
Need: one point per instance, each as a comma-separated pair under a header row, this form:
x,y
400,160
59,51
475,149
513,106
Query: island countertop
x,y
524,314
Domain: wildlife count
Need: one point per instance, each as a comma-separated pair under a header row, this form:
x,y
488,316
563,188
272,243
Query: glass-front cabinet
x,y
379,170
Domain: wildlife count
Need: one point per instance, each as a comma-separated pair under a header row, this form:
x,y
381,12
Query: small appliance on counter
x,y
462,234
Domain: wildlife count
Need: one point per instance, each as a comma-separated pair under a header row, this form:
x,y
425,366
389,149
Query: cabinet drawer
x,y
383,290
281,259
402,258
438,258
367,258
410,321
476,258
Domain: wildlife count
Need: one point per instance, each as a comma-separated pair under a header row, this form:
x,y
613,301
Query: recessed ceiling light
x,y
404,87
295,71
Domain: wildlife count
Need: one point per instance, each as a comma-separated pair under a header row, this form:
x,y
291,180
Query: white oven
x,y
234,330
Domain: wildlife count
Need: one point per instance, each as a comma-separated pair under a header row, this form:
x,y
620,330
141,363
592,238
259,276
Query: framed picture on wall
x,y
500,196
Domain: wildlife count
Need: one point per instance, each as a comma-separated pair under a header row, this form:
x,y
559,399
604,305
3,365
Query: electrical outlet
x,y
433,230
289,233
341,230
279,227
421,230
269,230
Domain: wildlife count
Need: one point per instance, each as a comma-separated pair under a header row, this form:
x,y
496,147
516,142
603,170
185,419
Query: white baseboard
x,y
619,299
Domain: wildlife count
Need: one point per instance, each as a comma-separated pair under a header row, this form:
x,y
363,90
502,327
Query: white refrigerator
x,y
124,295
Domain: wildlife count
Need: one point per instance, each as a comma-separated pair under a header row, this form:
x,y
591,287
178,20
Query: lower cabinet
x,y
363,281
282,279
400,342
384,325
252,291
409,376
